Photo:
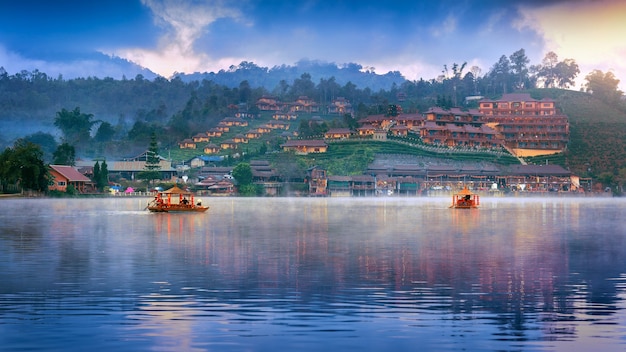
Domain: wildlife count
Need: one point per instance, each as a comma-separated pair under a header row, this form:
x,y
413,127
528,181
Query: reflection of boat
x,y
175,199
465,199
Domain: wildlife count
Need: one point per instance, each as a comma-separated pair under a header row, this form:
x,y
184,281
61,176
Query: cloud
x,y
183,24
590,32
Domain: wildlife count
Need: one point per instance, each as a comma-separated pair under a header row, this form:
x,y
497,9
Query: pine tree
x,y
152,169
96,175
104,175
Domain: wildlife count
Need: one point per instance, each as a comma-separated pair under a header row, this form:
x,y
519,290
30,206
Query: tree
x,y
500,75
243,174
519,62
75,126
65,154
547,70
152,169
105,132
603,86
23,165
104,174
566,72
46,141
96,174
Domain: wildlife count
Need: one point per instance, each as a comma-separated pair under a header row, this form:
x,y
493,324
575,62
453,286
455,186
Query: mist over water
x,y
268,274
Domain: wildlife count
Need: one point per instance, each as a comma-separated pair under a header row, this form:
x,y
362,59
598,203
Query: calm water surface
x,y
295,274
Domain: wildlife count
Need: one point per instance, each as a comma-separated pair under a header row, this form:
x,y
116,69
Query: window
x,y
61,183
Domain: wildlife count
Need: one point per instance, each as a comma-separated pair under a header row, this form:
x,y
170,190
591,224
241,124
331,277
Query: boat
x,y
465,199
176,200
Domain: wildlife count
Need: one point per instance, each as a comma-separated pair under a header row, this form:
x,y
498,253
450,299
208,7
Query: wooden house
x,y
187,144
211,149
200,137
340,105
338,133
64,176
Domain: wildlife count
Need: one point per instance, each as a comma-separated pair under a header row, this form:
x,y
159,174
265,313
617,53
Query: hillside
x,y
597,133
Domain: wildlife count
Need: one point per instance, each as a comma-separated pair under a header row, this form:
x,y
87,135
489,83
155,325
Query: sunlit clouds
x,y
590,32
183,24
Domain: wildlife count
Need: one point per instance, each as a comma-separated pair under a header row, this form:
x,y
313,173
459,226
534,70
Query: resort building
x,y
304,104
529,126
268,103
338,133
457,128
341,106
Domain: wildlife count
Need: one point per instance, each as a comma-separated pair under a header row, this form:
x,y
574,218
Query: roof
x,y
176,190
537,170
70,173
304,143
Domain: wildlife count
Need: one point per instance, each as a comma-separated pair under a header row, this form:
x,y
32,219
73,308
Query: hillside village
x,y
506,130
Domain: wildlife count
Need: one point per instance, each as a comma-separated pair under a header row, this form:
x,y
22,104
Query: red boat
x,y
176,200
465,199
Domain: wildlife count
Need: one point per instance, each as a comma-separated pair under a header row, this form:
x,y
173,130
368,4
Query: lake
x,y
307,274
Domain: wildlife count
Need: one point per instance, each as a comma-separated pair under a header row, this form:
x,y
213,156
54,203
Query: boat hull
x,y
179,209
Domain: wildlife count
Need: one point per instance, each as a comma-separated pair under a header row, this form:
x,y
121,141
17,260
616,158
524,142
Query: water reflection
x,y
262,274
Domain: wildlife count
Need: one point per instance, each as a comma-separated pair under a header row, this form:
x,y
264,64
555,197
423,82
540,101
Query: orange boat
x,y
176,200
465,199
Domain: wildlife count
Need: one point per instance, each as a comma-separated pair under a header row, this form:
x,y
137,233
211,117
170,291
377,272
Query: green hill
x,y
597,133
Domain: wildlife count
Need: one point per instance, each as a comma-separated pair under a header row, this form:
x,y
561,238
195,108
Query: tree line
x,y
98,117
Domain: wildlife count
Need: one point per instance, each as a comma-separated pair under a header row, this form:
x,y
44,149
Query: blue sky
x,y
74,37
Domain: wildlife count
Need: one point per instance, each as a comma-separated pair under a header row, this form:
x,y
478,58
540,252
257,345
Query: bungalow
x,y
338,133
64,176
214,132
340,105
228,144
187,144
304,104
377,121
278,125
264,129
252,134
211,149
200,137
240,138
268,103
305,146
234,121
222,127
366,130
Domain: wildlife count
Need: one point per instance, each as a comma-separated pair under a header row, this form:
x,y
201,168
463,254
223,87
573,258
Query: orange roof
x,y
70,173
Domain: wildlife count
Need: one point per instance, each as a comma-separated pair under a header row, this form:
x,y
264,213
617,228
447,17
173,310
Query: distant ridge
x,y
270,78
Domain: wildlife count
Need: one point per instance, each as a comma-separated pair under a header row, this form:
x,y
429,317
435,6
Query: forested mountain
x,y
270,78
122,114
